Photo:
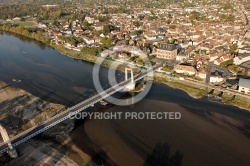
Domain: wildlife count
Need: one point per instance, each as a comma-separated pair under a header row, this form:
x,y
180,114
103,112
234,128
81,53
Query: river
x,y
208,133
44,72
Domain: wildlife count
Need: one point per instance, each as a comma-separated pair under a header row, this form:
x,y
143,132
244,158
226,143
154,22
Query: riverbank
x,y
198,92
74,54
191,89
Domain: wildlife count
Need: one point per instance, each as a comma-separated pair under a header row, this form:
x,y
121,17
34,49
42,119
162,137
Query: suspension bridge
x,y
9,144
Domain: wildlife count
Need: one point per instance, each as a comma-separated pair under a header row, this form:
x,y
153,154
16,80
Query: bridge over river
x,y
8,145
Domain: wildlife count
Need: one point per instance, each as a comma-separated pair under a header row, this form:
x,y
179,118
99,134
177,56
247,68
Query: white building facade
x,y
244,85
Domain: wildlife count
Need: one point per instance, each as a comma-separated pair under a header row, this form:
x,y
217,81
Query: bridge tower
x,y
131,85
12,152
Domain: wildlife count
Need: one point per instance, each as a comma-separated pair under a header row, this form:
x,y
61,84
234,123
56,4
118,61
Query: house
x,y
223,58
150,36
100,25
216,79
247,35
213,57
202,74
123,56
244,85
184,69
16,19
41,25
89,40
166,51
241,58
56,34
159,31
90,20
245,65
106,53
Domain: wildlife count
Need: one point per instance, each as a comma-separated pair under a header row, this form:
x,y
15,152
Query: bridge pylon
x,y
131,85
12,152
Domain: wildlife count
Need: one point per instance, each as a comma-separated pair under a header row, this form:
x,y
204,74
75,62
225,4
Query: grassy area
x,y
138,87
48,21
52,21
240,102
191,90
167,69
26,23
195,92
226,97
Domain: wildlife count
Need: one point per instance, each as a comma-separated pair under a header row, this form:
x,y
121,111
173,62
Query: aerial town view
x,y
124,83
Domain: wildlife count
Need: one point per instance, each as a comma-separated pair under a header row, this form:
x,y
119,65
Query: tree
x,y
136,32
172,26
227,6
56,23
106,29
85,24
141,17
167,69
25,32
233,48
137,23
233,68
226,63
71,40
231,18
102,18
92,51
106,42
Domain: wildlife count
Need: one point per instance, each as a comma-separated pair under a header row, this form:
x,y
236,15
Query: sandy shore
x,y
199,138
41,153
20,110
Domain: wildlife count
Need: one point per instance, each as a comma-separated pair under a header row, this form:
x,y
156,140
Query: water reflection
x,y
161,156
26,40
45,72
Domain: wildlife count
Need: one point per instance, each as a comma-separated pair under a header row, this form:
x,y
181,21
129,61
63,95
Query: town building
x,y
216,79
242,58
166,51
184,69
202,74
244,85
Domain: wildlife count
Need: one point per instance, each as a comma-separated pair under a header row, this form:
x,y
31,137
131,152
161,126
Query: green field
x,y
47,21
26,23
52,21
